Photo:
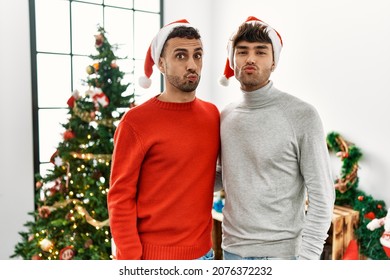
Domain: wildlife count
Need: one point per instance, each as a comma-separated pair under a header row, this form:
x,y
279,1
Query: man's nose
x,y
251,59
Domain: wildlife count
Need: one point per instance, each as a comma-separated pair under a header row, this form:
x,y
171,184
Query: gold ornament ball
x,y
90,69
46,245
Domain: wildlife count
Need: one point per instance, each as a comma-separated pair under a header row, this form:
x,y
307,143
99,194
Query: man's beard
x,y
254,81
183,86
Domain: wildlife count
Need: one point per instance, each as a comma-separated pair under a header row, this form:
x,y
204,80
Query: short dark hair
x,y
187,32
255,32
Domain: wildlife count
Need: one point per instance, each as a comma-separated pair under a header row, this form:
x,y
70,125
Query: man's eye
x,y
180,56
198,56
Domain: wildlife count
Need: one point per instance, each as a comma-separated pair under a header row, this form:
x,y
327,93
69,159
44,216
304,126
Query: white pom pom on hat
x,y
277,45
155,48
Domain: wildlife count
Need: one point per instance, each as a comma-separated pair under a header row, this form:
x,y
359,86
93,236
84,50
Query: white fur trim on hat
x,y
224,81
144,82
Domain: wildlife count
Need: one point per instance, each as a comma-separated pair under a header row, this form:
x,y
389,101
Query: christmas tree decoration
x,y
369,215
71,217
90,70
348,194
36,257
350,156
99,40
385,241
67,253
73,98
46,245
69,134
385,238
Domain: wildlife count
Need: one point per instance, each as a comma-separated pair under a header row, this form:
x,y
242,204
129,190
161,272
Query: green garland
x,y
348,194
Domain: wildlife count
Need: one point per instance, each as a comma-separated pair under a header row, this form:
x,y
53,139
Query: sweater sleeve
x,y
121,199
317,175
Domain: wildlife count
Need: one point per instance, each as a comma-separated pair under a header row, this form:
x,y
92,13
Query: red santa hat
x,y
277,44
155,48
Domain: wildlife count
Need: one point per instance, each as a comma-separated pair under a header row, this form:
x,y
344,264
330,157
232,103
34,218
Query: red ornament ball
x,y
69,135
36,257
370,215
67,253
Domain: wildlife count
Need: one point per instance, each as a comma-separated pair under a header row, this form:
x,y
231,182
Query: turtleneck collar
x,y
258,97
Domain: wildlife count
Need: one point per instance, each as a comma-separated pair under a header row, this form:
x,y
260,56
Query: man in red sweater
x,y
164,160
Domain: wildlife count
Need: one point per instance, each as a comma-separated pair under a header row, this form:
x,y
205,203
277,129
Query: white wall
x,y
335,56
16,152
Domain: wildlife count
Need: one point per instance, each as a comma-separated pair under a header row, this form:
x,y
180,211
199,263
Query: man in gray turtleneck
x,y
274,162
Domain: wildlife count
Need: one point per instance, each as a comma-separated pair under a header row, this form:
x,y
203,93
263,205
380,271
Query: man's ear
x,y
161,65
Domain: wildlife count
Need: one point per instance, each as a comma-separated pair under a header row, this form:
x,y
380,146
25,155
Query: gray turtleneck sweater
x,y
274,157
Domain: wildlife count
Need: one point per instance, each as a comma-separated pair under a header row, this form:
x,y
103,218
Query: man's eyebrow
x,y
262,47
186,50
256,47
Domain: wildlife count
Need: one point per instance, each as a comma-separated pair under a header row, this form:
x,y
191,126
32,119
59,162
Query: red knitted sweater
x,y
162,178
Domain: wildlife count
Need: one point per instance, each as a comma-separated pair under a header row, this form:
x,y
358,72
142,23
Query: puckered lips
x,y
249,69
192,77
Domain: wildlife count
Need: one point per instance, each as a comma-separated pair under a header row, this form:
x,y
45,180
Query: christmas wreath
x,y
348,194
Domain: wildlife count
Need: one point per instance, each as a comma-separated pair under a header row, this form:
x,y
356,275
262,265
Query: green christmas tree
x,y
71,216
